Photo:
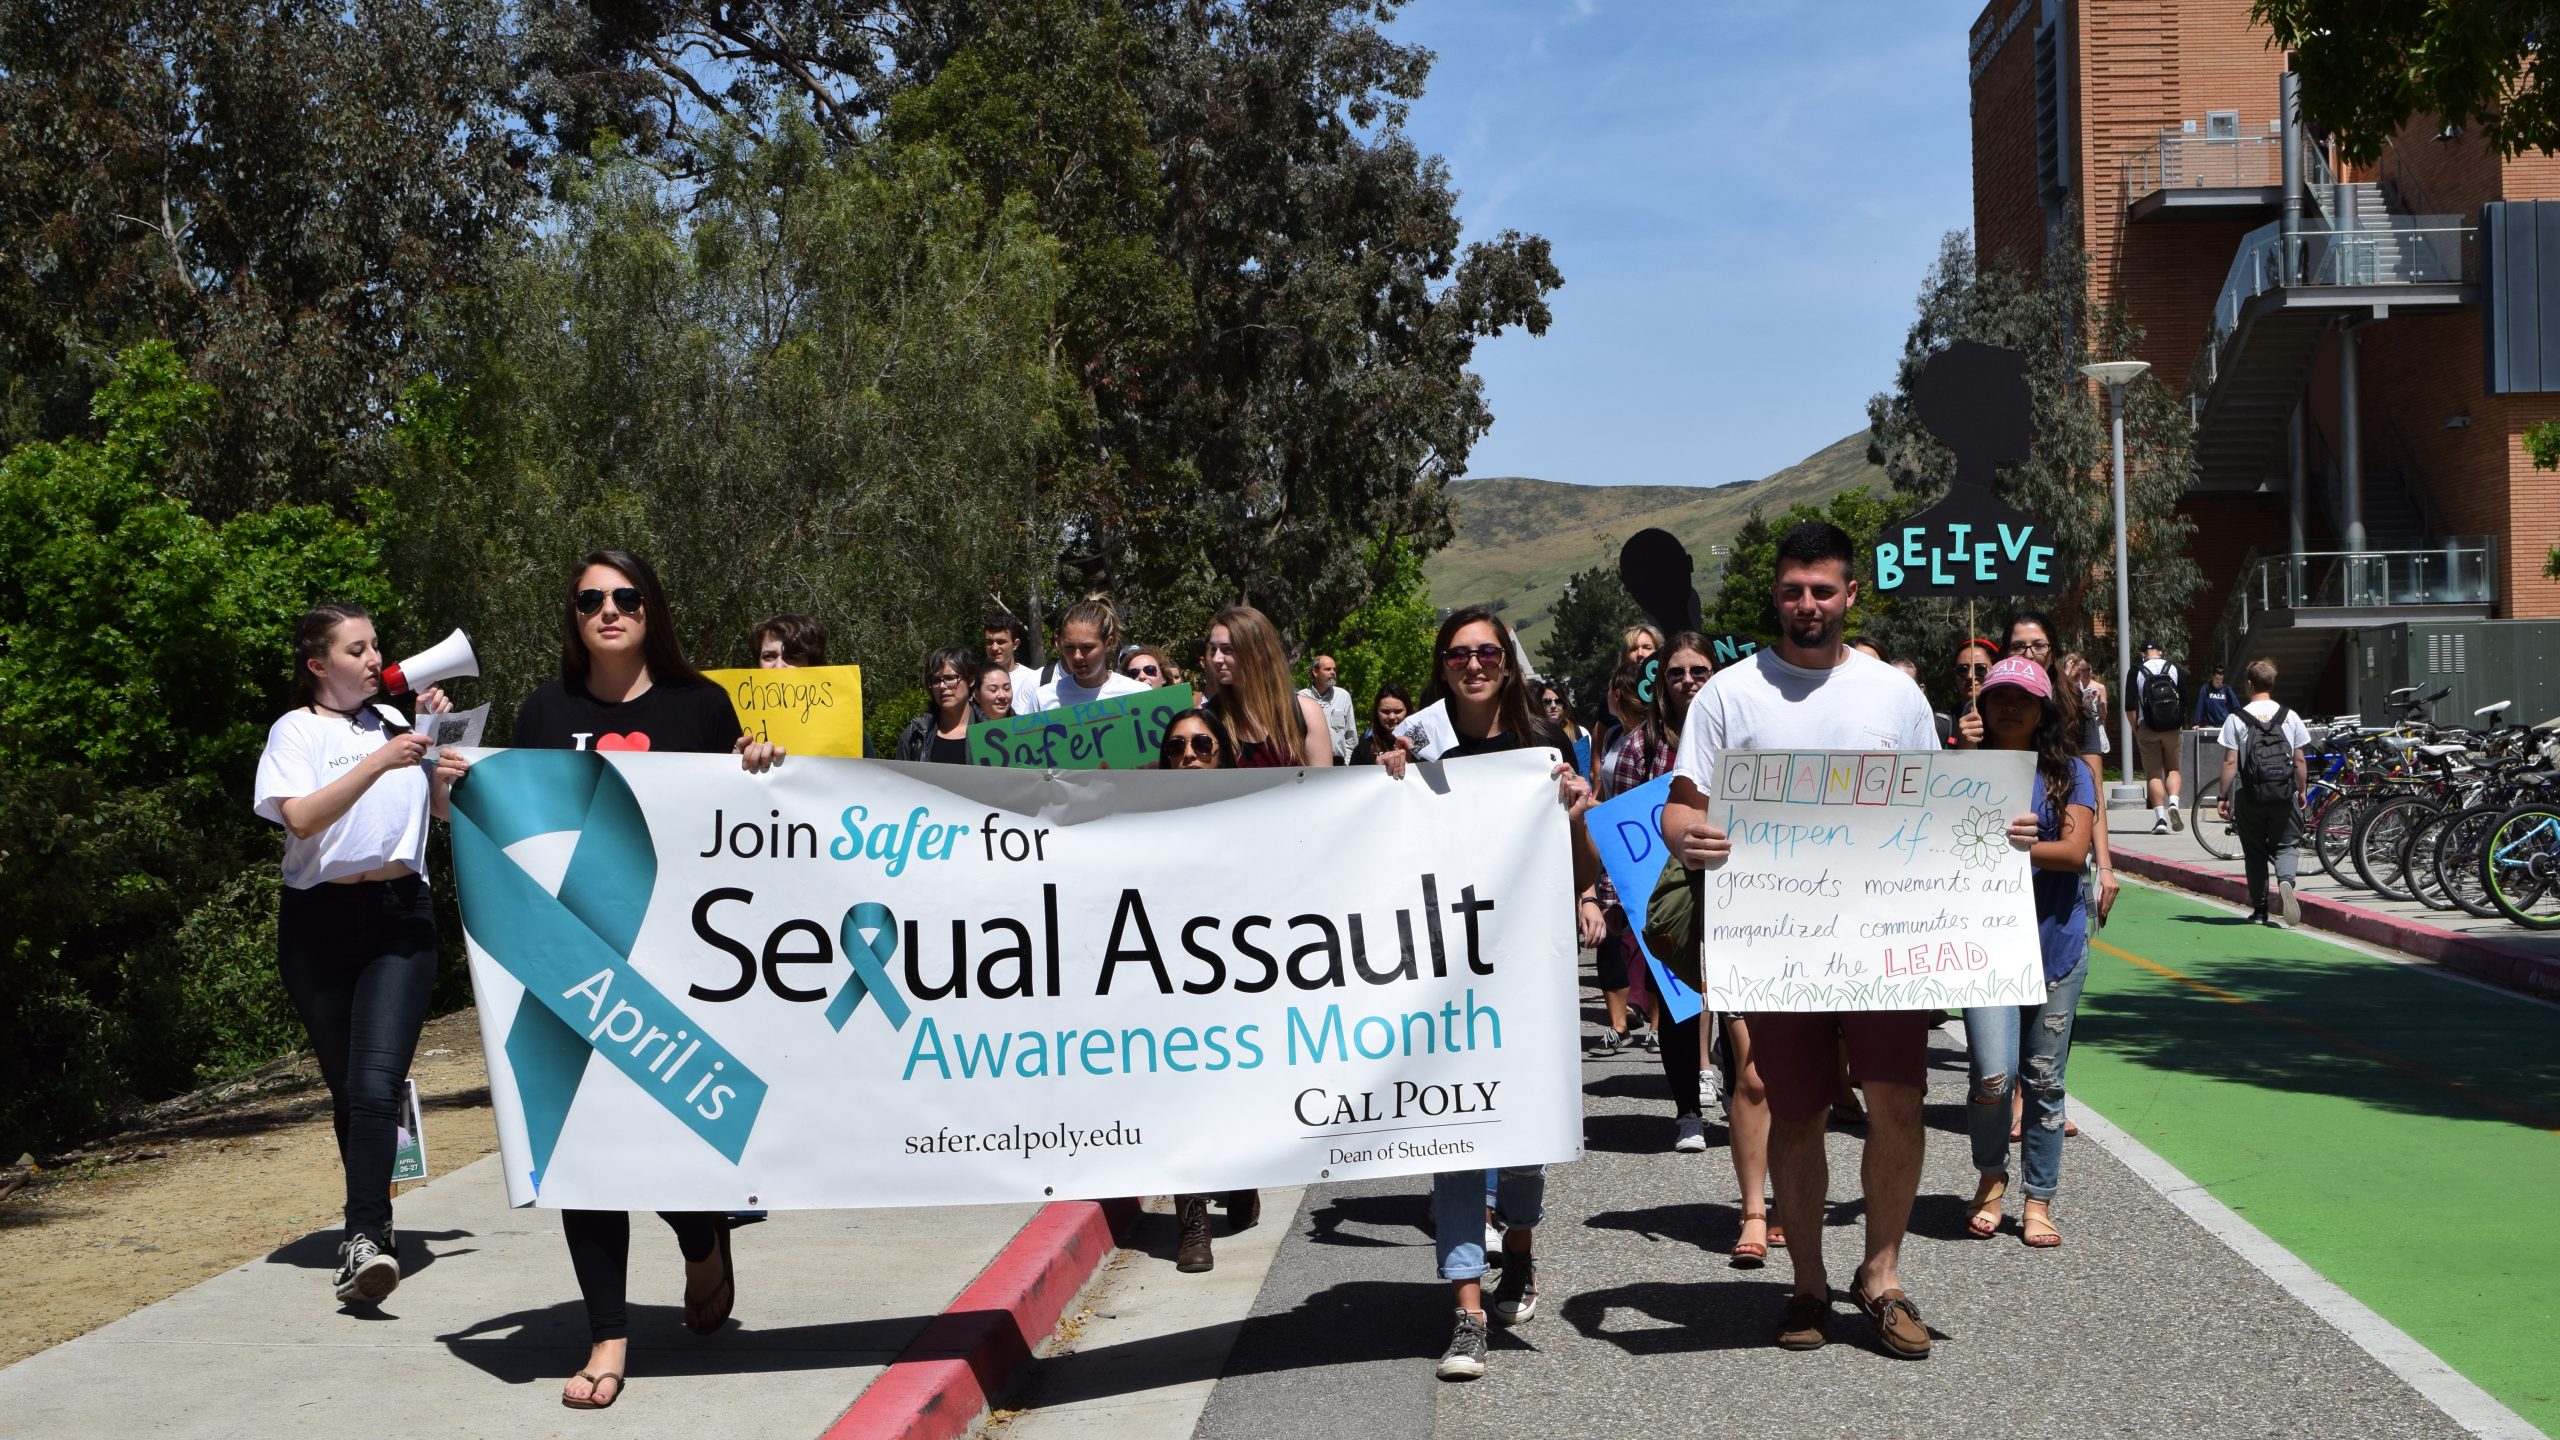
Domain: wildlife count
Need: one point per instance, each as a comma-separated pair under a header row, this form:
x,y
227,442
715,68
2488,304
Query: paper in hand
x,y
1429,732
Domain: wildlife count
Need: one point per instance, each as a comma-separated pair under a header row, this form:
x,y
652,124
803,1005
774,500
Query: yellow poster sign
x,y
807,710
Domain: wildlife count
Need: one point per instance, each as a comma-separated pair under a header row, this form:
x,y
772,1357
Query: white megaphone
x,y
439,662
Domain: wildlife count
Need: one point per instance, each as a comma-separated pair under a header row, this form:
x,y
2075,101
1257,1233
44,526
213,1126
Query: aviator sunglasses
x,y
626,599
1203,745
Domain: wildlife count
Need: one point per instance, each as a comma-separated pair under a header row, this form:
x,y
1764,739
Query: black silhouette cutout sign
x,y
1656,569
1974,398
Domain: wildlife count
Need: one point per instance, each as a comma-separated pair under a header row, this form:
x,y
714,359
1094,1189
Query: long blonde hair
x,y
1261,697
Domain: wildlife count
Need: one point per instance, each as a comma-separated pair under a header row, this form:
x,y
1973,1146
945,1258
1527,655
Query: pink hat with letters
x,y
2024,673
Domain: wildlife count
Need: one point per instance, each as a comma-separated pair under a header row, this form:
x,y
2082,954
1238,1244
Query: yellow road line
x,y
2507,1109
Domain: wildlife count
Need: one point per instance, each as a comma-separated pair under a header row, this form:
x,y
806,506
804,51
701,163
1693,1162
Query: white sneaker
x,y
2176,820
2291,907
1689,1134
2159,824
1710,1089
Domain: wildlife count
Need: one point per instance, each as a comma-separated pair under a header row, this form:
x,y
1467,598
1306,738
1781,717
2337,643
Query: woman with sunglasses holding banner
x,y
356,931
625,685
1488,706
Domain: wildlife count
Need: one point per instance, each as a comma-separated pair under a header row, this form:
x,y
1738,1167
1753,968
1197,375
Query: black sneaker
x,y
365,1274
1640,1034
1515,1300
1609,1043
2256,917
1689,1134
1465,1357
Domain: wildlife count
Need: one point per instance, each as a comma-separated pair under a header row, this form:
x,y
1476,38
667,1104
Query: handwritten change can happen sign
x,y
1871,881
807,710
1125,732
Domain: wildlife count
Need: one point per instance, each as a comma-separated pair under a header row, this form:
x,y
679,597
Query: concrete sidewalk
x,y
479,1336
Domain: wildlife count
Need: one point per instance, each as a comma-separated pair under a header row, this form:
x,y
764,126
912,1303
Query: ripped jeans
x,y
2001,1057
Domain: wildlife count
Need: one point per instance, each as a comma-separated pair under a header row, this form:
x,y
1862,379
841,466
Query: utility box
x,y
2481,661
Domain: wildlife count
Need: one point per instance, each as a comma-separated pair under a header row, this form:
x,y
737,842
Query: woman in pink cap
x,y
2027,1046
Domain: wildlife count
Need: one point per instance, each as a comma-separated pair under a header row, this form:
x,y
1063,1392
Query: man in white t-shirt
x,y
1004,636
1812,692
2263,778
1335,702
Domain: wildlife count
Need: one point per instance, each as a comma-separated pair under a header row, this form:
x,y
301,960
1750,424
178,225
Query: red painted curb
x,y
952,1374
2484,960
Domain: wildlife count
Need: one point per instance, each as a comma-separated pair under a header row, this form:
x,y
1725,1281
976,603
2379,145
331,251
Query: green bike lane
x,y
2395,1129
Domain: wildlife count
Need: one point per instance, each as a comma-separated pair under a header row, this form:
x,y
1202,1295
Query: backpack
x,y
2160,708
2266,760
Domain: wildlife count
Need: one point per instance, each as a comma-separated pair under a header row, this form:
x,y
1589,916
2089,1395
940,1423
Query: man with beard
x,y
1811,692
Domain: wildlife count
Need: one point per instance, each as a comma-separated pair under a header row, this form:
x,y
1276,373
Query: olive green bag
x,y
1675,921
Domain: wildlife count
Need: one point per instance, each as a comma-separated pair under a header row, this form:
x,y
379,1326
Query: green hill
x,y
1519,540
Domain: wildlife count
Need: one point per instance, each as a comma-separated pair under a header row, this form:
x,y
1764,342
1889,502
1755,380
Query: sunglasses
x,y
1687,672
1488,657
625,599
1552,702
1976,671
1145,672
1201,745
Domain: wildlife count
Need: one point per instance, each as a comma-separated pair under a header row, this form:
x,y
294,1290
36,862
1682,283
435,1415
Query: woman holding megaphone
x,y
356,933
625,685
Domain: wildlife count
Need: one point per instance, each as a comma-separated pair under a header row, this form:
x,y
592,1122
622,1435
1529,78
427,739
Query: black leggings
x,y
359,963
1680,1060
600,1251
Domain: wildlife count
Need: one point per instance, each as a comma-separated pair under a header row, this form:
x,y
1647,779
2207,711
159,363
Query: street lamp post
x,y
2116,375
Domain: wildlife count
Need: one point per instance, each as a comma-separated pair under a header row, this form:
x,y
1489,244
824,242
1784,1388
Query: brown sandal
x,y
595,1385
1988,1208
1751,1254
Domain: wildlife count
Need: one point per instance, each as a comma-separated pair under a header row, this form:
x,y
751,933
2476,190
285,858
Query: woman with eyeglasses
x,y
625,685
355,929
1386,712
1146,665
941,734
1270,722
1195,739
1553,710
1488,707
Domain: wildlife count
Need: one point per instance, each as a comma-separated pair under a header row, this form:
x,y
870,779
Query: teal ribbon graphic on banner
x,y
573,951
870,959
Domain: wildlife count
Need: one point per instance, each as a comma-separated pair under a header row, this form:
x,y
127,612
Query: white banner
x,y
1870,881
854,983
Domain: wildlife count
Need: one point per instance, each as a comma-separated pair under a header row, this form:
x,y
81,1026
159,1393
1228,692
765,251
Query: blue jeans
x,y
1457,1214
2029,1046
359,962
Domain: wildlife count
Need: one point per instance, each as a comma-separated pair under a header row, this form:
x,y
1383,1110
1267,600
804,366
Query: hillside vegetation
x,y
1519,539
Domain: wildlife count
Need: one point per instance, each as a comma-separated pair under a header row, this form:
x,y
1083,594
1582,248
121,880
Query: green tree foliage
x,y
143,649
1389,636
286,192
2367,69
1582,645
2065,481
814,389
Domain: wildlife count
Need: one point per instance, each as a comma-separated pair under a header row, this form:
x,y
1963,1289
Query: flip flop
x,y
595,1385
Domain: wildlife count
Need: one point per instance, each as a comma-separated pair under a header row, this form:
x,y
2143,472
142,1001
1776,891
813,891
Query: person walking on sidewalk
x,y
1488,708
1196,739
2263,780
1341,713
2215,702
1811,692
625,684
2155,691
356,932
2022,1049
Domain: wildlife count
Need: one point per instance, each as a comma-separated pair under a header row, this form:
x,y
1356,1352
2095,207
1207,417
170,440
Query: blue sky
x,y
1743,196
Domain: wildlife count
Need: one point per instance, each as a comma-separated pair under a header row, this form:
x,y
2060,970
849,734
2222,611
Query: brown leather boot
x,y
1244,1209
1191,1224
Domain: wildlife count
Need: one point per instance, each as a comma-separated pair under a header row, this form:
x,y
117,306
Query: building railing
x,y
2461,571
2383,250
2196,162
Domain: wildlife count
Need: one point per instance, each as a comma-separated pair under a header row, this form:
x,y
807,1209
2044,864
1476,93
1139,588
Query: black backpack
x,y
2266,760
2160,707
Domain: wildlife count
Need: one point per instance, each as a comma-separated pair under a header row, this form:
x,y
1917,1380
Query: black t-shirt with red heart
x,y
692,719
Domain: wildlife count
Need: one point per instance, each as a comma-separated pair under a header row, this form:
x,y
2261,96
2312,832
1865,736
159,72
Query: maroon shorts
x,y
1798,1056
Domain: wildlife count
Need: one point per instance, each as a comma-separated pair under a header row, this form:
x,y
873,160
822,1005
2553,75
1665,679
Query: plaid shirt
x,y
1638,756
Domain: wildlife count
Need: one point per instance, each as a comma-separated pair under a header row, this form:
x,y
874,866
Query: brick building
x,y
2363,365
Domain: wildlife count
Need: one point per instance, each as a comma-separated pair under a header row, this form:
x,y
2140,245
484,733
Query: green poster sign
x,y
1122,733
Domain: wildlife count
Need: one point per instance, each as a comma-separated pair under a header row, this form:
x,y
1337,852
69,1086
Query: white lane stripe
x,y
2471,1407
